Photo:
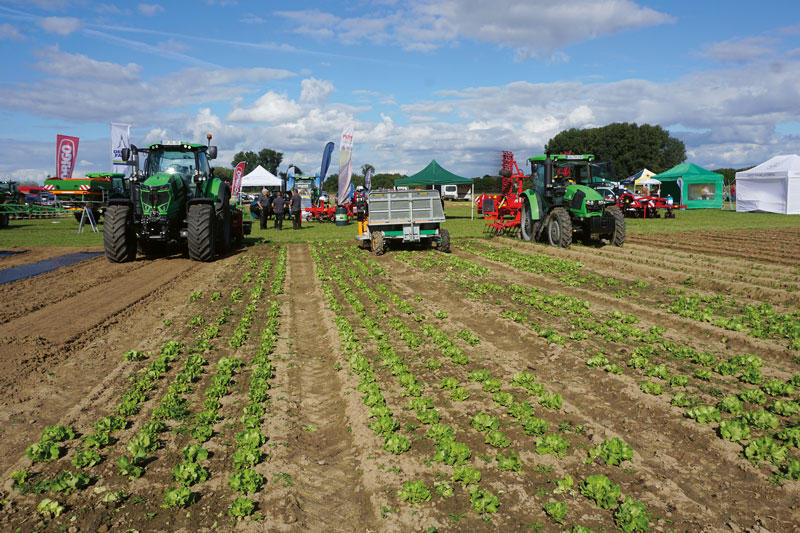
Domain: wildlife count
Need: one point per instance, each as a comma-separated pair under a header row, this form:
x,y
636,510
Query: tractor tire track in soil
x,y
309,434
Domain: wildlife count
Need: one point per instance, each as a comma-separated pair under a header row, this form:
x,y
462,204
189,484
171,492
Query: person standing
x,y
263,203
295,204
277,208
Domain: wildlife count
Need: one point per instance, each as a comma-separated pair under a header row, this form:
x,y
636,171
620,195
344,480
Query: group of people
x,y
279,205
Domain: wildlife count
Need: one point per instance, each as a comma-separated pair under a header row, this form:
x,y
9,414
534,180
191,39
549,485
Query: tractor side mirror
x,y
212,152
126,154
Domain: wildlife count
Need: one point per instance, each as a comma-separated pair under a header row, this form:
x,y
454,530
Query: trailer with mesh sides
x,y
412,216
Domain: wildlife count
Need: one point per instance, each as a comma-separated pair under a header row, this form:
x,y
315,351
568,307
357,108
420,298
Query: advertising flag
x,y
345,163
120,138
326,161
237,179
66,152
368,179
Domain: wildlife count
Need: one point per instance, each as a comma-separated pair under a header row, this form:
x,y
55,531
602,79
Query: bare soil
x,y
63,334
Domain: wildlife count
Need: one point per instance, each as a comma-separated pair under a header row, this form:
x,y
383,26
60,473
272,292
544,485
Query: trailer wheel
x,y
119,237
618,236
201,232
377,243
559,228
225,228
444,244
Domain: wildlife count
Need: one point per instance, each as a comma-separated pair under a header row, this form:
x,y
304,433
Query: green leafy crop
x,y
601,490
612,451
632,516
57,434
188,473
246,481
466,475
43,451
414,492
553,444
484,422
179,497
241,508
483,501
556,510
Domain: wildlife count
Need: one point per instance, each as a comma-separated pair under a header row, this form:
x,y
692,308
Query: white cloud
x,y
424,25
59,25
269,108
150,10
10,33
66,65
315,91
739,50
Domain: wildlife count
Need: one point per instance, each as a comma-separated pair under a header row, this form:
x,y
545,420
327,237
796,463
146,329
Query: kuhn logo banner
x,y
120,138
238,172
66,153
345,164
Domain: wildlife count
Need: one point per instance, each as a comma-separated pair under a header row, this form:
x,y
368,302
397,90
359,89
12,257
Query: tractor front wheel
x,y
444,243
377,243
201,232
559,228
526,223
618,236
119,237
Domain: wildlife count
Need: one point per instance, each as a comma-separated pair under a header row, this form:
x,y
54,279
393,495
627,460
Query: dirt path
x,y
314,443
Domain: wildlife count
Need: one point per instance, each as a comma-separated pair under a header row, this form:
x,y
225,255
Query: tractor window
x,y
181,164
203,164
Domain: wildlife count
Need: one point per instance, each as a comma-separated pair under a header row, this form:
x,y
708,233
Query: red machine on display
x,y
502,211
633,206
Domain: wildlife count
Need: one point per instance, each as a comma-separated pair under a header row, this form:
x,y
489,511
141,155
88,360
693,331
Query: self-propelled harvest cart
x,y
405,216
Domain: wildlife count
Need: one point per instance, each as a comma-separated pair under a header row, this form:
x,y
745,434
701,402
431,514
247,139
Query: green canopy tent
x,y
435,175
692,186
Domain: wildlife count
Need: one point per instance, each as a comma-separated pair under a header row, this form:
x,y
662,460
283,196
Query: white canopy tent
x,y
261,177
772,186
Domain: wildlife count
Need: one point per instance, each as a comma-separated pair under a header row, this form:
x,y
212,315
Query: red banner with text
x,y
66,154
237,178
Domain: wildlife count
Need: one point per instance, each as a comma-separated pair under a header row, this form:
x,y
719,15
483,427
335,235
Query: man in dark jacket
x,y
277,207
263,202
295,204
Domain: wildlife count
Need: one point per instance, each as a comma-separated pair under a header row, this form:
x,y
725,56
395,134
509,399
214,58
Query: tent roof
x,y
261,177
779,166
687,171
433,174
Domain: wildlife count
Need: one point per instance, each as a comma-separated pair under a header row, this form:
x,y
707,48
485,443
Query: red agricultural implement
x,y
502,211
646,206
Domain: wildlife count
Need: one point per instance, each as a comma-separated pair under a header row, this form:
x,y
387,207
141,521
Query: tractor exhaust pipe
x,y
548,172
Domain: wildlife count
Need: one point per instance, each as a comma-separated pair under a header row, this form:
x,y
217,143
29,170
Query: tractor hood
x,y
162,194
583,200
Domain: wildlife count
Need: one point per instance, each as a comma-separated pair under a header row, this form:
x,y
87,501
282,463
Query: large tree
x,y
629,146
269,159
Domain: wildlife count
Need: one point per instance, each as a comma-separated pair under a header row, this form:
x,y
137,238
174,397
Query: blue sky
x,y
452,80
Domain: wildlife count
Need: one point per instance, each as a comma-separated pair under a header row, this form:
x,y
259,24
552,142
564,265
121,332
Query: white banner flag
x,y
120,138
345,164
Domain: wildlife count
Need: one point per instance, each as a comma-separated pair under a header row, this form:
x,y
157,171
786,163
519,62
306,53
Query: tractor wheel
x,y
444,245
559,228
618,236
377,243
526,223
3,220
201,232
119,237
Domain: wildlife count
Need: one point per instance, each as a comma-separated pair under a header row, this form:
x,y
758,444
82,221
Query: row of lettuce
x,y
195,409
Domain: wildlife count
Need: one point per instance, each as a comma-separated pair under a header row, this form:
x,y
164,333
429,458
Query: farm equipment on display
x,y
14,204
412,216
646,206
173,198
562,201
91,193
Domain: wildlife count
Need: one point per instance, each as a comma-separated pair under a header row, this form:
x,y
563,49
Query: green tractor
x,y
9,194
174,197
563,201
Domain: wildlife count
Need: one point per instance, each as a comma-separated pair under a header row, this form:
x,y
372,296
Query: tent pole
x,y
472,201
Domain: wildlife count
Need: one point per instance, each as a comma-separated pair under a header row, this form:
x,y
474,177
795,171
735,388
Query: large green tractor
x,y
173,197
9,194
563,201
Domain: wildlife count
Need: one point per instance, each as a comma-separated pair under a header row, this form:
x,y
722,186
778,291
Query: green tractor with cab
x,y
563,201
173,197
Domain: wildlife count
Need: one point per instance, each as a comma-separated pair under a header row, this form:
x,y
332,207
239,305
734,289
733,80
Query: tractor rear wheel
x,y
201,232
618,236
3,220
119,237
559,228
377,243
444,244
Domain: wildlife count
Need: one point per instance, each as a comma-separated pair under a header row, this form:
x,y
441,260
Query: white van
x,y
450,192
